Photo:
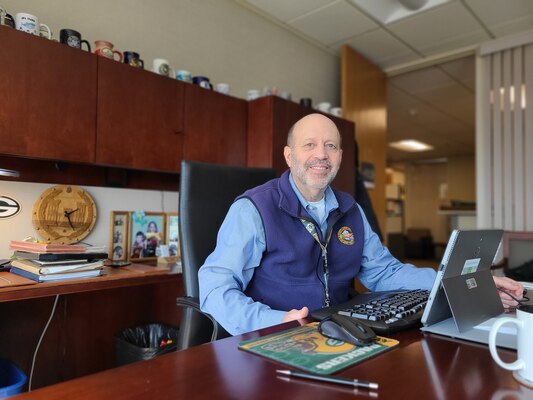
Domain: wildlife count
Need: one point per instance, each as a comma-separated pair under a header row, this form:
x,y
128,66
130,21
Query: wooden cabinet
x,y
269,121
215,127
47,99
139,118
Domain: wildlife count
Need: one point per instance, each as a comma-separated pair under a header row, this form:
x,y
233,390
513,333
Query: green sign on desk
x,y
306,348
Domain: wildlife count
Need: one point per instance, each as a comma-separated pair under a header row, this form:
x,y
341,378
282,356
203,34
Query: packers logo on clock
x,y
64,214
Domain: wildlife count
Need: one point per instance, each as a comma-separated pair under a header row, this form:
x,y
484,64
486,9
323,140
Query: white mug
x,y
162,67
30,24
253,94
222,88
523,366
324,106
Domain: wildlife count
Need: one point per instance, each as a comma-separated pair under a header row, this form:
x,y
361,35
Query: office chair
x,y
206,193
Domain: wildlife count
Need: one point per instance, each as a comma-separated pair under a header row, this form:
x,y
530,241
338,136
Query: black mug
x,y
6,19
306,102
133,59
72,38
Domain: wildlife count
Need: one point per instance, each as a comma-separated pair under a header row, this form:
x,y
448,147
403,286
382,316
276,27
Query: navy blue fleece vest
x,y
291,272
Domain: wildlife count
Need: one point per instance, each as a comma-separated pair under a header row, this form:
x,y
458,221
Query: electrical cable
x,y
40,340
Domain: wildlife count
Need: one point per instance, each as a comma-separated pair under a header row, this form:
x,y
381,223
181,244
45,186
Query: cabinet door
x,y
47,98
140,118
269,121
215,127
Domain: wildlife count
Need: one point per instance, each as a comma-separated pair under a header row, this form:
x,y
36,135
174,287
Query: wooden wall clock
x,y
64,214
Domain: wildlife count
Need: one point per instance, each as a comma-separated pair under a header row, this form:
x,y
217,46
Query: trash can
x,y
144,342
12,379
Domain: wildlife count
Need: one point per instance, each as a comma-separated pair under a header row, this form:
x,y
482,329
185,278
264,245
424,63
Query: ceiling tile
x,y
333,23
444,28
462,70
382,48
515,26
422,80
286,10
498,12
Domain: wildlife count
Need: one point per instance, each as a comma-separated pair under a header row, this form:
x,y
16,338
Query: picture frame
x,y
118,235
172,242
146,234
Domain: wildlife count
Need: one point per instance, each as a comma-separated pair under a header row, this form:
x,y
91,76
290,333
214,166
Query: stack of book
x,y
50,262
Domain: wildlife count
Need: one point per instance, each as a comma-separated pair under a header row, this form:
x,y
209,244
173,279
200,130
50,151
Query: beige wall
x,y
423,193
216,38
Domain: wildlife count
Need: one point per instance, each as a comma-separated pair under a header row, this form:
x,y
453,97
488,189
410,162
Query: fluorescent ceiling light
x,y
387,11
411,145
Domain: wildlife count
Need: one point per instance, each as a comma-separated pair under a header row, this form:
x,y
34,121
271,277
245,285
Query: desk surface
x,y
112,278
424,366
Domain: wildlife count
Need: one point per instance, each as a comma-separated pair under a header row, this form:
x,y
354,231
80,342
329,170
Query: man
x,y
295,244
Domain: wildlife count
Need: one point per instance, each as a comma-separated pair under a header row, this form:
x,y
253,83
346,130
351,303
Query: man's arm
x,y
381,271
228,270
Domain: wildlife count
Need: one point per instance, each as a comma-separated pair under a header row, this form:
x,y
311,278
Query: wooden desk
x,y
424,366
79,340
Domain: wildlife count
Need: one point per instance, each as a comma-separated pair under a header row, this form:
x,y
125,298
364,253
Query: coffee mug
x,y
30,24
134,59
72,38
523,366
323,106
105,49
222,88
162,67
336,111
183,75
202,81
306,101
6,19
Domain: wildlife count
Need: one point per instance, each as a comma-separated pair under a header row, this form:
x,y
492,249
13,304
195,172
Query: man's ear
x,y
287,154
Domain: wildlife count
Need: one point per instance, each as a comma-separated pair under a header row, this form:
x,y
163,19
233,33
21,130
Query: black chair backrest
x,y
206,194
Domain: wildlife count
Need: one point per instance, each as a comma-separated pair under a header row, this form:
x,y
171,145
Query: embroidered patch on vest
x,y
345,235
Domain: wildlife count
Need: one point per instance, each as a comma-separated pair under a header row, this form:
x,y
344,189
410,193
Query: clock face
x,y
64,214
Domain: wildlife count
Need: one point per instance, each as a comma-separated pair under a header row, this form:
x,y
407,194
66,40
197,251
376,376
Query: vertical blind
x,y
504,138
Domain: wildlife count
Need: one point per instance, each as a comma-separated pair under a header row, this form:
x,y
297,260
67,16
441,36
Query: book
x,y
46,247
306,348
43,269
34,255
56,277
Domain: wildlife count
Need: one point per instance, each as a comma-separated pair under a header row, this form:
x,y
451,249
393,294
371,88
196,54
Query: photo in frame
x,y
118,235
147,232
173,235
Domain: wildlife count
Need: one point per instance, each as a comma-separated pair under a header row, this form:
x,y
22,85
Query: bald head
x,y
312,122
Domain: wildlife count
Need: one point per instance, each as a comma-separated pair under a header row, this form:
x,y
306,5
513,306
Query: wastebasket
x,y
144,342
12,379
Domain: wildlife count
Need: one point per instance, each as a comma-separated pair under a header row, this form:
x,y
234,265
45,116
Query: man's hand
x,y
294,314
512,287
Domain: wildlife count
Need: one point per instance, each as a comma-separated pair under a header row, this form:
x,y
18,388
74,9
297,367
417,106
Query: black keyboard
x,y
384,312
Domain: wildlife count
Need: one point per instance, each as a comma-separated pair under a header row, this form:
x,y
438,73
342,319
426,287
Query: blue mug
x,y
202,81
134,59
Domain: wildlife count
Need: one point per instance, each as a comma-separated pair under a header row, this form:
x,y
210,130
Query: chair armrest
x,y
194,303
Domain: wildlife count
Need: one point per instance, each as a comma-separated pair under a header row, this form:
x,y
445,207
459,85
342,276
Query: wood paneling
x,y
80,337
140,118
47,99
364,102
215,127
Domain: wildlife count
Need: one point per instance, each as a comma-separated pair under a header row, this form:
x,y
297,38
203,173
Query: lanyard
x,y
310,227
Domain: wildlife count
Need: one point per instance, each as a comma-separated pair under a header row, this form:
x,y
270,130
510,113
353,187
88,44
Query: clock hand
x,y
67,214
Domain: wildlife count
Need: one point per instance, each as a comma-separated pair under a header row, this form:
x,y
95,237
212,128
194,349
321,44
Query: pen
x,y
342,381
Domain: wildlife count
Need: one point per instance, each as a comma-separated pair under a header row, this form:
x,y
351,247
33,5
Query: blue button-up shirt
x,y
240,246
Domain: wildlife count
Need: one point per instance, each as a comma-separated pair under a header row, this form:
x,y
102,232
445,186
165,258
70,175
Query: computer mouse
x,y
347,329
